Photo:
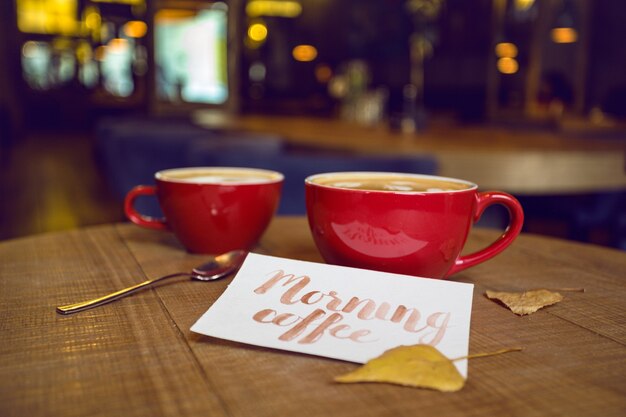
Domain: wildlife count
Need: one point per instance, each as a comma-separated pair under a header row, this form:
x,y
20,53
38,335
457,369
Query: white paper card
x,y
338,312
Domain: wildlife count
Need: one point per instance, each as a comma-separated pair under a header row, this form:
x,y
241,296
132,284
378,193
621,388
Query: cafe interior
x,y
522,96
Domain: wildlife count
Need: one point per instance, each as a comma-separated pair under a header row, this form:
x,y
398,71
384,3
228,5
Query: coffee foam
x,y
392,182
230,176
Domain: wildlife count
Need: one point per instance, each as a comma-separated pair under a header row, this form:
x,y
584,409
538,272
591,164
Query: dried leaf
x,y
420,366
528,302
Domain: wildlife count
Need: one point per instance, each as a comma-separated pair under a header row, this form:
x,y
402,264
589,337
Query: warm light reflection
x,y
338,86
135,29
323,73
62,44
30,49
100,53
93,19
506,50
508,65
117,45
47,16
524,4
172,15
84,53
131,2
564,35
304,53
257,32
75,346
257,8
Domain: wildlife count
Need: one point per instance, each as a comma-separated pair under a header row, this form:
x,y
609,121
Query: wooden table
x,y
519,161
137,357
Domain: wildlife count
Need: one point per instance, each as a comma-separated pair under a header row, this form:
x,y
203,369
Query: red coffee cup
x,y
402,223
211,210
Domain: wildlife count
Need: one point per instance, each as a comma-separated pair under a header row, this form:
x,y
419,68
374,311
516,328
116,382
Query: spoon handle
x,y
85,305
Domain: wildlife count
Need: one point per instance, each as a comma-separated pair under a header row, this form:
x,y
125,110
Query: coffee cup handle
x,y
484,200
137,218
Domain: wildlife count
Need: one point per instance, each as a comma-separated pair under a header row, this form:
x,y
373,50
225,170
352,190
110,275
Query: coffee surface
x,y
395,183
218,176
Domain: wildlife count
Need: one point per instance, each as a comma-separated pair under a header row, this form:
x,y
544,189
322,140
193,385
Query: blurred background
x,y
525,96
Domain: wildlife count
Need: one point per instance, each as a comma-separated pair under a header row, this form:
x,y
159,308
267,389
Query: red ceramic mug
x,y
402,223
211,210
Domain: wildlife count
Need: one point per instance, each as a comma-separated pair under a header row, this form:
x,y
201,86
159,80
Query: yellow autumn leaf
x,y
420,366
528,302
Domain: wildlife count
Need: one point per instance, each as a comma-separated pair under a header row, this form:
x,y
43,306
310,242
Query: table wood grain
x,y
137,356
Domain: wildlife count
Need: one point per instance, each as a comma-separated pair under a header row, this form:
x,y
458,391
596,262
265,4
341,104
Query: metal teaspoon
x,y
218,267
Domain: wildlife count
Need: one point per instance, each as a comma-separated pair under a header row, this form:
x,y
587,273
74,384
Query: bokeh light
x,y
135,29
564,35
507,65
257,8
304,53
257,32
506,50
323,73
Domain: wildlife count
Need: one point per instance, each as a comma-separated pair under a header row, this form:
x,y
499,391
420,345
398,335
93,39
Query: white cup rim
x,y
470,185
275,175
